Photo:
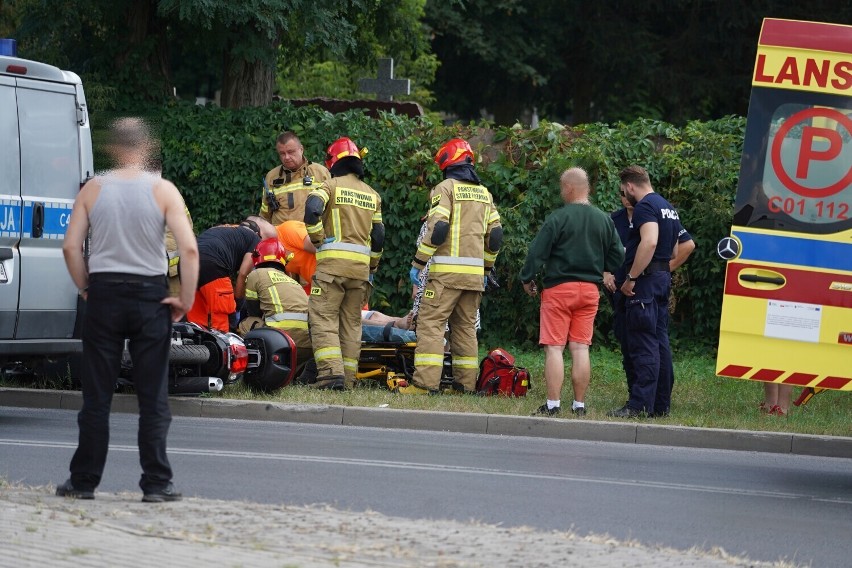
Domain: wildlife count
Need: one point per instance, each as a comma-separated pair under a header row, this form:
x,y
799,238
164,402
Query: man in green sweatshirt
x,y
575,245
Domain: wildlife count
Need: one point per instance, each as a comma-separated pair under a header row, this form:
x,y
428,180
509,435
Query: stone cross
x,y
384,85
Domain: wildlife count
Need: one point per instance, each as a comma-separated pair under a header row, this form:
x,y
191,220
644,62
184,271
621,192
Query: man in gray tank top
x,y
124,285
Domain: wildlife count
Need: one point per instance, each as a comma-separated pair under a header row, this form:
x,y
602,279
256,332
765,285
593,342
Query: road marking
x,y
644,484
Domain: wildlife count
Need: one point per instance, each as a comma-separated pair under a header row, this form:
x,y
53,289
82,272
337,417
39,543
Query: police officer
x,y
286,188
651,245
273,299
623,219
463,237
344,221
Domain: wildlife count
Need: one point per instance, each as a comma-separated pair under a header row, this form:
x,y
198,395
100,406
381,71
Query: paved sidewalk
x,y
629,432
39,529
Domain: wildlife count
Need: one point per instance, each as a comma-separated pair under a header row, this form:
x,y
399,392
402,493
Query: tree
x,y
390,28
252,33
141,48
610,60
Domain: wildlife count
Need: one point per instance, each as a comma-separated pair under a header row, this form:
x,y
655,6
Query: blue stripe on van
x,y
56,217
10,219
796,251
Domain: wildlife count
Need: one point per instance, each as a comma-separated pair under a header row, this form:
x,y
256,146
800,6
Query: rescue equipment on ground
x,y
498,375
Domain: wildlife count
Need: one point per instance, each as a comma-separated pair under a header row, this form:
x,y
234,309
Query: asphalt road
x,y
765,506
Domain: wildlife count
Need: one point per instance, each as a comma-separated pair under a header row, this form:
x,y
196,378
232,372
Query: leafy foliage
x,y
218,157
585,61
135,52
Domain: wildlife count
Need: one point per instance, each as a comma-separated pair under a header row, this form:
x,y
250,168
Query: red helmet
x,y
342,148
453,152
270,250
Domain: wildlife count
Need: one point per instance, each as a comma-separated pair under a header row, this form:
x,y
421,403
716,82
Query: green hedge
x,y
217,157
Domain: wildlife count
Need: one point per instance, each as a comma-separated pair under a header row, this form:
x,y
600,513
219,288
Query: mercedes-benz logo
x,y
728,248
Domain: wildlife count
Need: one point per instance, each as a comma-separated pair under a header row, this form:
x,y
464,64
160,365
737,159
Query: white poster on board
x,y
793,320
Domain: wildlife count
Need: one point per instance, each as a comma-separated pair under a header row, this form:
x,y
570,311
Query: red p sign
x,y
807,152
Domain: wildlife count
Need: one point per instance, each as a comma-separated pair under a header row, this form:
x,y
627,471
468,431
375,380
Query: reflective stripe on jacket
x,y
351,209
464,257
280,297
290,191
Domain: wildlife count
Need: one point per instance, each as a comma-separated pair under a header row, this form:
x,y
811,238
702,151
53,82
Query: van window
x,y
49,134
796,172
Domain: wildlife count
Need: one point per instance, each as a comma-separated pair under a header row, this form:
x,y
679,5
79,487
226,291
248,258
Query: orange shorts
x,y
568,313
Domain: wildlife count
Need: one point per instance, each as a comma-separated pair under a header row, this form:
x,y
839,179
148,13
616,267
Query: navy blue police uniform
x,y
623,226
648,356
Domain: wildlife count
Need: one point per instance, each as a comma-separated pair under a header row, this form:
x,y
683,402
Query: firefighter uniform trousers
x,y
439,306
334,311
461,222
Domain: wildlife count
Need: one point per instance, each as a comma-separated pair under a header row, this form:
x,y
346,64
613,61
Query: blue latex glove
x,y
370,277
414,275
328,240
485,282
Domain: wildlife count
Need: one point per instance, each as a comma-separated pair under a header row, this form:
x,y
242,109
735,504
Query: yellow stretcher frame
x,y
392,366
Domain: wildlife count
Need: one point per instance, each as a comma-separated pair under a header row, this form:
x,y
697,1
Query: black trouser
x,y
125,306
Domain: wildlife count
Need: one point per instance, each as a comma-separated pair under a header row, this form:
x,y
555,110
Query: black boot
x,y
309,373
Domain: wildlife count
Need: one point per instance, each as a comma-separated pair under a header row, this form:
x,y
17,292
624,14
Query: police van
x,y
787,309
45,157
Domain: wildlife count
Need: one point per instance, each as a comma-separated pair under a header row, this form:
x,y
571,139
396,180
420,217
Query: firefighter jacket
x,y
461,218
279,301
172,248
349,234
289,189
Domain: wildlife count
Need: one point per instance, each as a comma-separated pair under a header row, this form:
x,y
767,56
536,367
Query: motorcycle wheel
x,y
189,354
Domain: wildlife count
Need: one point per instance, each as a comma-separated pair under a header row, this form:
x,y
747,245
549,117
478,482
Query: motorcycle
x,y
200,360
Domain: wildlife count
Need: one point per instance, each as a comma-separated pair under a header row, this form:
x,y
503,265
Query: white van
x,y
45,157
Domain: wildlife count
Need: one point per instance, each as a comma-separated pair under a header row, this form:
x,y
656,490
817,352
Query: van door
x,y
787,309
10,208
50,180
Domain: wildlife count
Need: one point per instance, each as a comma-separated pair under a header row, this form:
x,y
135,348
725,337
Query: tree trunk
x,y
143,24
247,83
581,66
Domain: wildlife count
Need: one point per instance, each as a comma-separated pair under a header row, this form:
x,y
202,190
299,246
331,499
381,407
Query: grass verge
x,y
700,398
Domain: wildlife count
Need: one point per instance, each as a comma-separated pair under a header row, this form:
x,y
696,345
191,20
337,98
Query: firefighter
x,y
286,187
344,221
462,239
225,251
174,258
155,166
273,299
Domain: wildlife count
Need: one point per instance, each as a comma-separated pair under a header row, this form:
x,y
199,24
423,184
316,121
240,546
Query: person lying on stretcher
x,y
381,328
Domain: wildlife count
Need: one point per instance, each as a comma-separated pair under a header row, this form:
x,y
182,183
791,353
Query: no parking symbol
x,y
808,152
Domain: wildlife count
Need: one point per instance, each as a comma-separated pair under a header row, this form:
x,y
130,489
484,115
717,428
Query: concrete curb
x,y
499,425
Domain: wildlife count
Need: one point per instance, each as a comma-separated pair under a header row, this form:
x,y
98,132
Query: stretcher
x,y
387,358
392,365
